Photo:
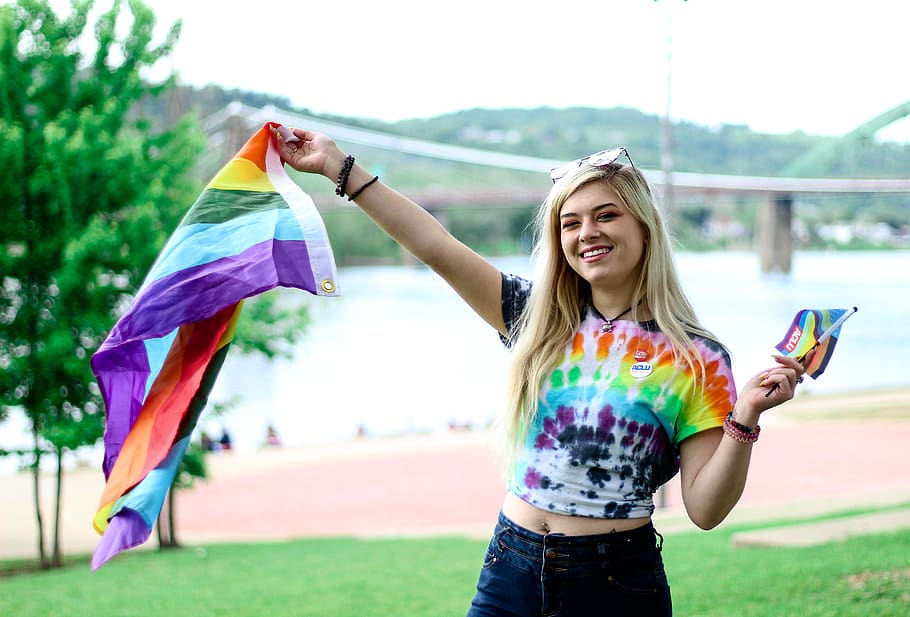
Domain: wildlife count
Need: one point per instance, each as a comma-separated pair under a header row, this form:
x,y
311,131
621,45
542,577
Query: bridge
x,y
229,128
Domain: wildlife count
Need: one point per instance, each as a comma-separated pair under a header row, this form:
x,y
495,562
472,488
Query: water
x,y
400,352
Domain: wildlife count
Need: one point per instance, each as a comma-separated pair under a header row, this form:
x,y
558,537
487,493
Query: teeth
x,y
594,253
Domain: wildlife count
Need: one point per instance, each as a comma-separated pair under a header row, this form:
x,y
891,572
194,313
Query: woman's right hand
x,y
315,153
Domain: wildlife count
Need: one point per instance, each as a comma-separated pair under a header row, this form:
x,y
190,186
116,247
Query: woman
x,y
614,387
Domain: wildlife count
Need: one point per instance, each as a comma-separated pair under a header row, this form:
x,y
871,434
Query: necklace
x,y
608,323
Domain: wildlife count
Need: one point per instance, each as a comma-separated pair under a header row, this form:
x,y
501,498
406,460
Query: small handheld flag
x,y
816,330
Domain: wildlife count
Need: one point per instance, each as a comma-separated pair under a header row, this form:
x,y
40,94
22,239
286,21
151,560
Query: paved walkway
x,y
803,466
822,532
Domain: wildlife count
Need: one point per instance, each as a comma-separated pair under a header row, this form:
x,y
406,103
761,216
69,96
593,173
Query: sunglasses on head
x,y
598,159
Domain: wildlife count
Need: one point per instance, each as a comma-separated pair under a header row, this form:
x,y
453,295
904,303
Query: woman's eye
x,y
606,216
569,224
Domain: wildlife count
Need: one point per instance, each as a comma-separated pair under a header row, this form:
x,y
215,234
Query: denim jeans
x,y
526,574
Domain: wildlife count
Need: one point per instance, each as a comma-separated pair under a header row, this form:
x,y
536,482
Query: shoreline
x,y
818,453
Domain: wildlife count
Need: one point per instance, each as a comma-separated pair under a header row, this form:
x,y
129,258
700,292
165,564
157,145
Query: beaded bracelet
x,y
342,182
740,432
362,189
743,427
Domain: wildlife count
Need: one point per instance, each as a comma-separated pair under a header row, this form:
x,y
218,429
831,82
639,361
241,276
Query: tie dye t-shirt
x,y
612,414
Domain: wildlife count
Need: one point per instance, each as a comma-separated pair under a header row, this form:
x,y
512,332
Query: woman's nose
x,y
588,231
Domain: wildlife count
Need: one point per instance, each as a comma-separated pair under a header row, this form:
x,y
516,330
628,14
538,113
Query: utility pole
x,y
666,165
666,129
666,133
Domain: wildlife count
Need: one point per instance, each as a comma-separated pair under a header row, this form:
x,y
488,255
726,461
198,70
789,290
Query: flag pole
x,y
837,324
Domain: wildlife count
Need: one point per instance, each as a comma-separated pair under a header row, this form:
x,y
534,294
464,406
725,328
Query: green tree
x,y
90,191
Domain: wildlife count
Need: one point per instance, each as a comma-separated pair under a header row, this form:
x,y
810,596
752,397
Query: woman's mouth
x,y
595,252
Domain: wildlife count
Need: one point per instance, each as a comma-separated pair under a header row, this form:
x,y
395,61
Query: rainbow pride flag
x,y
252,229
814,329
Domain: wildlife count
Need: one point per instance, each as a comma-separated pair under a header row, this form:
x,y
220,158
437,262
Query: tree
x,y
90,191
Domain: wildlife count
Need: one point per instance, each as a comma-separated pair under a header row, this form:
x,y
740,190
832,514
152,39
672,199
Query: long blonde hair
x,y
559,296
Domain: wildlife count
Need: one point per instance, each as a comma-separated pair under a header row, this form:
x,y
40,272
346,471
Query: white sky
x,y
821,66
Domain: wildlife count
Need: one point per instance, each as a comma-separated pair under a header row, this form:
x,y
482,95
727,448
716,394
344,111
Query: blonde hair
x,y
559,295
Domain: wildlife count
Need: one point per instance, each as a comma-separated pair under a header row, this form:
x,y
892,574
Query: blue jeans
x,y
526,574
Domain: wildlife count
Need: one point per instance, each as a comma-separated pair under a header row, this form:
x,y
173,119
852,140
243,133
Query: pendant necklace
x,y
608,323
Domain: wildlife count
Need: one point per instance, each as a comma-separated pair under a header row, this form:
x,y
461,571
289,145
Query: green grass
x,y
435,577
868,575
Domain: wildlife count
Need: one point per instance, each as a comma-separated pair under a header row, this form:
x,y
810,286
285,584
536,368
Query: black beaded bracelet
x,y
342,182
362,188
742,427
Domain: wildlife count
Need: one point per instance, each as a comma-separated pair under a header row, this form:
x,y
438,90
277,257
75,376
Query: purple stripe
x,y
124,391
126,530
199,292
190,295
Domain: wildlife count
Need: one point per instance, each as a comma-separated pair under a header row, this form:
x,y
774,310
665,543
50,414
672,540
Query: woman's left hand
x,y
772,386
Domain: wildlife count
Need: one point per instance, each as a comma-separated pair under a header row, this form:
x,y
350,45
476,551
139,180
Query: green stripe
x,y
218,205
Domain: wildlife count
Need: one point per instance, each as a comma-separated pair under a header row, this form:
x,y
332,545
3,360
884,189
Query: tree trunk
x,y
36,478
167,536
170,516
159,531
57,557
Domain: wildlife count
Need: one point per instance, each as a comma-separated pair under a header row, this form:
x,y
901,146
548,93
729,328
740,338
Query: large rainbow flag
x,y
252,229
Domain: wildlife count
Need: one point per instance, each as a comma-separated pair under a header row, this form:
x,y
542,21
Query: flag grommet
x,y
327,285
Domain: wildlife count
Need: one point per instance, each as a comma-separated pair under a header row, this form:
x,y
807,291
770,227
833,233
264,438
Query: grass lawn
x,y
435,577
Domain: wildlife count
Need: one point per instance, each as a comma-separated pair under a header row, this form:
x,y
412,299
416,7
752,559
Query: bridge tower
x,y
775,240
775,237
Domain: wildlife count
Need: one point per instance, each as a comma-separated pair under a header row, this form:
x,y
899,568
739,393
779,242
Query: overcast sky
x,y
821,66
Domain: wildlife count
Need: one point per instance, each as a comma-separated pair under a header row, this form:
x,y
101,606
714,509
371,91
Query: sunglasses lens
x,y
558,172
599,159
604,158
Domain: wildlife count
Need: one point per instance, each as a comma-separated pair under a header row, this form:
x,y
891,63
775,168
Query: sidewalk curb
x,y
823,532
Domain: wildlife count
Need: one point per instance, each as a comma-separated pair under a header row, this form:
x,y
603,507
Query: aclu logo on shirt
x,y
640,370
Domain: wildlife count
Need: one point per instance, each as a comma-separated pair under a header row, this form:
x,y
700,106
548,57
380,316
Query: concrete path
x,y
822,532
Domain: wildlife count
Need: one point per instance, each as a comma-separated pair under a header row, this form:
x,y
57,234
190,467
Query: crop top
x,y
611,415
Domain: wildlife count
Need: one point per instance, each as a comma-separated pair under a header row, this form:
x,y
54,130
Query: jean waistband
x,y
533,544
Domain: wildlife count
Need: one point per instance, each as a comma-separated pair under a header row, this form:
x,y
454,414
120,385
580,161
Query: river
x,y
400,352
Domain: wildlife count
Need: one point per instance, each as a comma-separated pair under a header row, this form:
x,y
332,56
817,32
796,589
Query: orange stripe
x,y
254,150
152,435
820,353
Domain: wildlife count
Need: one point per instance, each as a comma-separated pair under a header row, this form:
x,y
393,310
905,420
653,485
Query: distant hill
x,y
699,221
572,132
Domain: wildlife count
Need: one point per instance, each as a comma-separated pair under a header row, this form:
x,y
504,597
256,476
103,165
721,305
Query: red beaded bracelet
x,y
740,432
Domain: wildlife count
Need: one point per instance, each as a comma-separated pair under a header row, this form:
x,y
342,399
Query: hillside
x,y
569,133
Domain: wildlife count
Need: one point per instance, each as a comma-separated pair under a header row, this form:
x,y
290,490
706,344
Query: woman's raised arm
x,y
475,279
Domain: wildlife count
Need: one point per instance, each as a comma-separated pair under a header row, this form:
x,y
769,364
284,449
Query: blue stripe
x,y
157,349
201,243
147,497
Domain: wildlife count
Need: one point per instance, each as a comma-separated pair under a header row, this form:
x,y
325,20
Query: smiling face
x,y
601,239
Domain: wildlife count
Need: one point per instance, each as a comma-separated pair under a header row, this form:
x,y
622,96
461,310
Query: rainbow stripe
x,y
814,329
252,229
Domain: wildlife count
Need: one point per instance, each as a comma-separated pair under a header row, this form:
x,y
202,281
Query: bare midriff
x,y
543,522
